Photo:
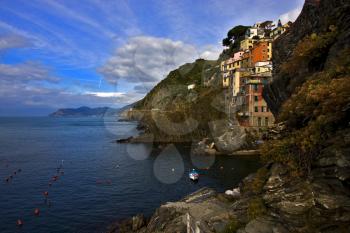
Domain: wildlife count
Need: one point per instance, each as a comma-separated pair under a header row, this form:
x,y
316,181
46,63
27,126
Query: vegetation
x,y
176,104
234,34
233,39
232,226
256,208
319,110
257,183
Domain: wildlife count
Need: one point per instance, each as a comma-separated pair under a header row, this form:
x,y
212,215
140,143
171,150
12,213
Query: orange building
x,y
262,51
254,111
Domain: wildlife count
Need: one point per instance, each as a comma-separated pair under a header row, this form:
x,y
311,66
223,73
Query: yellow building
x,y
227,69
239,75
247,44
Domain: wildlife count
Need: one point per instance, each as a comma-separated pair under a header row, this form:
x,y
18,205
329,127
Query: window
x,y
256,98
259,121
266,121
267,109
255,87
263,109
256,109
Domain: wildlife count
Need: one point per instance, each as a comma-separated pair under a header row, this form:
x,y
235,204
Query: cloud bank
x,y
145,60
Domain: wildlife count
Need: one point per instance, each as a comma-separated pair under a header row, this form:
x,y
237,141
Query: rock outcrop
x,y
205,205
320,203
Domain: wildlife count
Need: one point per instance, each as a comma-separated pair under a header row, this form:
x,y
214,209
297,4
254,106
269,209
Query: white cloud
x,y
12,41
290,15
25,72
145,60
106,94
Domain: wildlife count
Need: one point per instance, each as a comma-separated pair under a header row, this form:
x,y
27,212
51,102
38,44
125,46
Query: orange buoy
x,y
19,222
36,211
54,178
46,193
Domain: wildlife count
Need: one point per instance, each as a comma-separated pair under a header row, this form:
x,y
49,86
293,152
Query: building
x,y
228,68
238,56
246,60
247,71
257,31
238,80
254,111
263,68
280,29
261,51
247,44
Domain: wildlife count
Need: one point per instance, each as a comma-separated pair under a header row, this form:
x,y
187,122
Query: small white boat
x,y
193,175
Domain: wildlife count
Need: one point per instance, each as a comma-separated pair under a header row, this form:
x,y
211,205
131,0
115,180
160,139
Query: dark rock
x,y
263,225
125,140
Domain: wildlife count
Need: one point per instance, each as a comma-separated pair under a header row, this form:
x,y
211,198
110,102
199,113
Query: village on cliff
x,y
247,70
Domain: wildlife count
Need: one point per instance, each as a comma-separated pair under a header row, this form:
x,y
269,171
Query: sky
x,y
72,53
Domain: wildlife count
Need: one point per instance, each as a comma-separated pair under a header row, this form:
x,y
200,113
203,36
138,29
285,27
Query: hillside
x,y
85,112
184,106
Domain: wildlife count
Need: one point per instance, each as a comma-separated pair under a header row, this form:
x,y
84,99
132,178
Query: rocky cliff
x,y
316,17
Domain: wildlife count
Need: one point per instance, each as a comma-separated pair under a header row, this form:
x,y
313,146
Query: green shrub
x,y
257,183
256,208
232,226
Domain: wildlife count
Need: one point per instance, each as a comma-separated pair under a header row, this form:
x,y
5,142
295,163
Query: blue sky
x,y
68,53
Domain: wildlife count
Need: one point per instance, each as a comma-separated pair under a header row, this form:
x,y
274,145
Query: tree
x,y
237,32
226,42
266,24
234,34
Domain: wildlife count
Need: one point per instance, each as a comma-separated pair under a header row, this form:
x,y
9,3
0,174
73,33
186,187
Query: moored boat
x,y
193,175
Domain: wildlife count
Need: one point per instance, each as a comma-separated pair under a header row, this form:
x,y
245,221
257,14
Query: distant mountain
x,y
85,112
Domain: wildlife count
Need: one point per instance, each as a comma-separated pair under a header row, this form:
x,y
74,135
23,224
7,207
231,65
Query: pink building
x,y
238,56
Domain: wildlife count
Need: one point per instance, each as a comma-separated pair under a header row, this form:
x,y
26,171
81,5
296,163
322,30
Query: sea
x,y
69,175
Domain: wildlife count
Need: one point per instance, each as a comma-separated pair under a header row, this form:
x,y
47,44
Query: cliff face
x,y
316,17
